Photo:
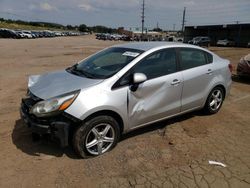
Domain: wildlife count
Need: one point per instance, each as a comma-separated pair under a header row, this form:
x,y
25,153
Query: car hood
x,y
57,83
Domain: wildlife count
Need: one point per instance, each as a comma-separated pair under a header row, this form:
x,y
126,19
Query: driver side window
x,y
157,64
160,63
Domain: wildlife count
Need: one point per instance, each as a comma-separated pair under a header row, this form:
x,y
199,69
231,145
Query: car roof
x,y
145,46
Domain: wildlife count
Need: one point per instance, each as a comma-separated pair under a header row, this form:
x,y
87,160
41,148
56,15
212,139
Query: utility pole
x,y
183,20
173,27
143,17
239,33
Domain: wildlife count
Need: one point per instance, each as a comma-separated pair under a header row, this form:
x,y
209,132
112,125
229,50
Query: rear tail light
x,y
230,66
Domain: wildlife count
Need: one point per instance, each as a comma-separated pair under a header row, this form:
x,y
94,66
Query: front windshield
x,y
105,63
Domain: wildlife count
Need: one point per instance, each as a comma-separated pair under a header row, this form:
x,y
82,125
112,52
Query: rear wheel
x,y
214,101
96,136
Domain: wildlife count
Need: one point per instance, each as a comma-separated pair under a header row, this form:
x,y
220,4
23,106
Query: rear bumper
x,y
57,127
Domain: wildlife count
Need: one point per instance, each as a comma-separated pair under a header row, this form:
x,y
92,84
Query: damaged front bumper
x,y
57,126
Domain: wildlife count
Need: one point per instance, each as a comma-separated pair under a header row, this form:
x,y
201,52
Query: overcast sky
x,y
116,13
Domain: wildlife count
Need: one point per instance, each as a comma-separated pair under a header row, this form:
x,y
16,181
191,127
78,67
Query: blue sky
x,y
116,13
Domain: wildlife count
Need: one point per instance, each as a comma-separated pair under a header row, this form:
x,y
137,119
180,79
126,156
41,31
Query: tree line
x,y
81,27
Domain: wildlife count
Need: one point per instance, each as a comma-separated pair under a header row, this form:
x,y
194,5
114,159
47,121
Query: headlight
x,y
53,105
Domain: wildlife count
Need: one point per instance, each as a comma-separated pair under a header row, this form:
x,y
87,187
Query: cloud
x,y
32,7
46,7
86,7
107,5
189,3
115,13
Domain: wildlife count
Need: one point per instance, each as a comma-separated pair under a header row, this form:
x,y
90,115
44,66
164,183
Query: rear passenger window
x,y
209,58
190,58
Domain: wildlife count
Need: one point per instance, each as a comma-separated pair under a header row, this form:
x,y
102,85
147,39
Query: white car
x,y
225,42
20,33
27,34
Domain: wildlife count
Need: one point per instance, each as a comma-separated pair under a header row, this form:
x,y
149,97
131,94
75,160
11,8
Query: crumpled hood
x,y
57,83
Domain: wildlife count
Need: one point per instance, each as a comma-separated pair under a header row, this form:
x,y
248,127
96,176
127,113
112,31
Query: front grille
x,y
29,102
32,96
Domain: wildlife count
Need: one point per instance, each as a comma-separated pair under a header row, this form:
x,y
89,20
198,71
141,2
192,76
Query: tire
x,y
96,136
214,101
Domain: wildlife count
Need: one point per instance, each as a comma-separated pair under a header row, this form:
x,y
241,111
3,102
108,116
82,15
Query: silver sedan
x,y
122,88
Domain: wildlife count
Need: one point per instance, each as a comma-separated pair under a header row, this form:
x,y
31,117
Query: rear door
x,y
197,73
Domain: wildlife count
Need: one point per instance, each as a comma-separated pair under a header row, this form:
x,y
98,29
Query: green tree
x,y
157,29
83,28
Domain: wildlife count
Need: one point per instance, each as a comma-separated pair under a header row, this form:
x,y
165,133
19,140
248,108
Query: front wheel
x,y
214,101
96,136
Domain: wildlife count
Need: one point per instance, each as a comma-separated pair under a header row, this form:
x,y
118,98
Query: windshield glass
x,y
105,63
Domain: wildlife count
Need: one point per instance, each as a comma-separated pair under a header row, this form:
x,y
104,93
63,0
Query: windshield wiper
x,y
79,72
72,67
74,70
86,74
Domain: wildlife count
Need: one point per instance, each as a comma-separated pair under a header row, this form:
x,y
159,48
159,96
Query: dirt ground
x,y
173,153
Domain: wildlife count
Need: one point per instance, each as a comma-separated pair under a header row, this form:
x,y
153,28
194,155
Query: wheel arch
x,y
222,87
209,91
111,113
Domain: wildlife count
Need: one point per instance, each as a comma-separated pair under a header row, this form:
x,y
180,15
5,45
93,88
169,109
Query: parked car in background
x,y
243,68
116,37
122,88
25,34
20,33
8,33
179,39
225,42
35,34
28,34
200,41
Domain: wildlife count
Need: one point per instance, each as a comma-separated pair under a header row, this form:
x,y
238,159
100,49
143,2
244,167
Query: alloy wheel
x,y
216,100
99,139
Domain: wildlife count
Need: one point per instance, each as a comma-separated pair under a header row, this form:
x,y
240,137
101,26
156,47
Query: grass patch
x,y
24,27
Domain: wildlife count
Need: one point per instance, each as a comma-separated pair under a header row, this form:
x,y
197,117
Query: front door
x,y
160,95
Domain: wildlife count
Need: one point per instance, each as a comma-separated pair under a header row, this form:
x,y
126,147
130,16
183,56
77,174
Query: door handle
x,y
209,71
175,82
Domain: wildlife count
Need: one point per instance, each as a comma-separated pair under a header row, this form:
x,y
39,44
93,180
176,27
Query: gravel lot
x,y
173,153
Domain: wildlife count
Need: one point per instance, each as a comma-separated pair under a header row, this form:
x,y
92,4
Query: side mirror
x,y
138,78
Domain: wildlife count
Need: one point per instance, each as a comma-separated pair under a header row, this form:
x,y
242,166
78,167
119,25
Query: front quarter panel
x,y
97,99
